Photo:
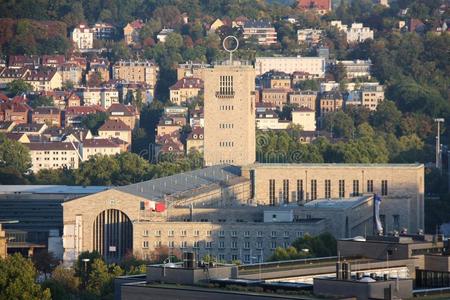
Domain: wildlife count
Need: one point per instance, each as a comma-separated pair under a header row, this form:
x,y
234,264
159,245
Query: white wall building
x,y
83,37
304,117
313,65
356,33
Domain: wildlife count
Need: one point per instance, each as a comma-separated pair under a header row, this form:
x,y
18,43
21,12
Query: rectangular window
x,y
234,245
247,245
259,245
342,188
196,232
158,233
208,245
272,191
273,245
221,233
273,234
300,193
171,244
246,233
355,187
396,221
221,245
384,187
171,233
327,188
145,233
313,189
370,186
234,233
145,244
286,190
259,234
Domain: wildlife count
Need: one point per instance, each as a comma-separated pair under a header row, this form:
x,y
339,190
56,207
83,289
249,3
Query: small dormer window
x,y
201,136
194,136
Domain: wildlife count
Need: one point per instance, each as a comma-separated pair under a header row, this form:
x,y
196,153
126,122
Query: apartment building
x,y
83,37
307,99
139,71
116,129
276,96
103,31
8,75
125,113
261,32
371,96
70,72
357,68
53,155
312,65
356,33
99,146
49,115
330,102
74,115
185,90
20,113
276,80
101,96
44,79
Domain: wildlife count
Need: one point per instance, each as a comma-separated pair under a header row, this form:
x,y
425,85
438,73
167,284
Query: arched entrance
x,y
113,234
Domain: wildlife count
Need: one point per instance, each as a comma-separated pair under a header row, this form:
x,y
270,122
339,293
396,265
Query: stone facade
x,y
3,250
400,186
229,108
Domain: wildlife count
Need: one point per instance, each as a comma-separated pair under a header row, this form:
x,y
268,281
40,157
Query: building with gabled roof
x,y
49,115
53,155
99,146
131,32
116,129
185,90
44,79
126,113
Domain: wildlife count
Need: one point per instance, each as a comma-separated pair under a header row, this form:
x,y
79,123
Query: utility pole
x,y
438,143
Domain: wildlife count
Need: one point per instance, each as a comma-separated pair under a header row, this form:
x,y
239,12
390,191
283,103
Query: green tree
x,y
18,86
14,155
339,124
18,280
44,262
98,170
322,245
94,121
387,117
38,101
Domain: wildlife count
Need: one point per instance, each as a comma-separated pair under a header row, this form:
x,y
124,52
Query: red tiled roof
x,y
46,110
188,82
114,125
137,24
122,109
315,4
41,74
197,131
84,110
44,146
100,143
53,60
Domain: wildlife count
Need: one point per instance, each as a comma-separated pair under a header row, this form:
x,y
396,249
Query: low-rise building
x,y
304,117
194,141
8,75
131,32
7,126
30,128
20,113
185,90
310,37
116,129
98,67
357,33
53,155
103,31
49,115
269,120
357,68
163,34
196,117
83,37
261,31
167,126
23,61
301,98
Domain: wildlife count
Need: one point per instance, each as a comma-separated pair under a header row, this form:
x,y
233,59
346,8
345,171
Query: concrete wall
x,y
187,276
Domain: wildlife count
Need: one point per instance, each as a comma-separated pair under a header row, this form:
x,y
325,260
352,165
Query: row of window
x,y
220,245
226,107
226,144
226,126
222,233
327,191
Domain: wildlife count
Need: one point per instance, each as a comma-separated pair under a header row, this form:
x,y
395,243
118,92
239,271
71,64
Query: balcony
x,y
224,95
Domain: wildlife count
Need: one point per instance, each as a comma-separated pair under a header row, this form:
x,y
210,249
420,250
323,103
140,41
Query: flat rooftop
x,y
337,203
331,165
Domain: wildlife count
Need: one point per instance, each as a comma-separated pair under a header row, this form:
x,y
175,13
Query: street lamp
x,y
85,262
438,142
